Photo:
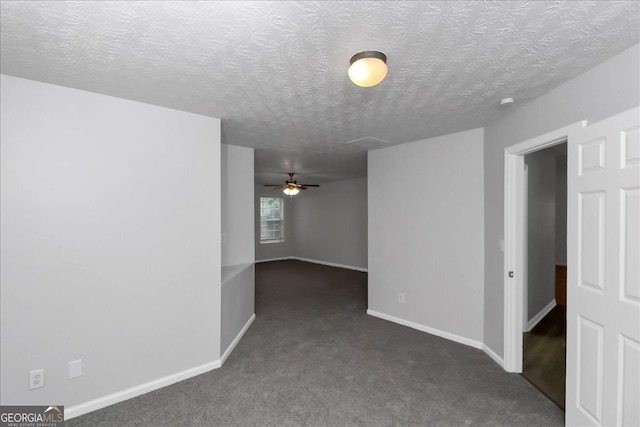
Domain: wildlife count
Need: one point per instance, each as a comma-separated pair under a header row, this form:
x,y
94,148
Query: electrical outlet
x,y
36,379
401,298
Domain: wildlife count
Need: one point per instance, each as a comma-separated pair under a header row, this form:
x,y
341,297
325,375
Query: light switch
x,y
75,368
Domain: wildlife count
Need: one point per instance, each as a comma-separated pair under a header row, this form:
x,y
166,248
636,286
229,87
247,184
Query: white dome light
x,y
368,68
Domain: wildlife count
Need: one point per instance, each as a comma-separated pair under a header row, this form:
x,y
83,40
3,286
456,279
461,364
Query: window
x,y
271,220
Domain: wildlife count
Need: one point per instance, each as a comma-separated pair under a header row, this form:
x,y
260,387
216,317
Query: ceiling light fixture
x,y
368,68
291,186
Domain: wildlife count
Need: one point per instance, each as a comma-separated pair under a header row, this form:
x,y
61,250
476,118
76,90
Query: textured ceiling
x,y
275,72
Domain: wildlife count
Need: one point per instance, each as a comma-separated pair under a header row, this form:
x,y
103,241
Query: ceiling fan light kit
x,y
291,186
368,68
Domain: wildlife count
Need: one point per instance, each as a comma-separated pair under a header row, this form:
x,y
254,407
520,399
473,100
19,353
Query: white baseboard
x,y
111,399
330,264
427,329
492,354
273,259
236,340
315,261
538,317
121,396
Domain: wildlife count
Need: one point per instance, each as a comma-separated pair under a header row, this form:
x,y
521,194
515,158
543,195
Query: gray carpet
x,y
314,357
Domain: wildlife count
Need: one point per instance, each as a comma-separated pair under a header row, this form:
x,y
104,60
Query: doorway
x,y
515,240
544,271
602,314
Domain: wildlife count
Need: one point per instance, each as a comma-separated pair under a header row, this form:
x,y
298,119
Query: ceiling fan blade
x,y
309,185
274,185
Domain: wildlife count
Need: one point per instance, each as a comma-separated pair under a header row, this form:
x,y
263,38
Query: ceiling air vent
x,y
368,142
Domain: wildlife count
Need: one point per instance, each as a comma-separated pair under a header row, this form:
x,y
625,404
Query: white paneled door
x,y
603,280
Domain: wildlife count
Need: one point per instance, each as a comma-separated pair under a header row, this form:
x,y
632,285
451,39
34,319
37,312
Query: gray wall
x,y
426,234
238,301
330,223
607,89
110,248
237,205
326,224
238,277
541,230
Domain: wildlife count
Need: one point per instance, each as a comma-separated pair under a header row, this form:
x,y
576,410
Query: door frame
x,y
515,238
525,247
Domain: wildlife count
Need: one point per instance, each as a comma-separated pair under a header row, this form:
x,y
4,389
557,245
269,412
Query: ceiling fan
x,y
291,186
